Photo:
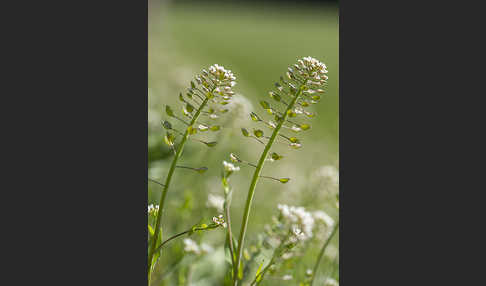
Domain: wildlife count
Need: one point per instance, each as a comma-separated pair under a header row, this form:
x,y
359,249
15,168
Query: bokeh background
x,y
257,41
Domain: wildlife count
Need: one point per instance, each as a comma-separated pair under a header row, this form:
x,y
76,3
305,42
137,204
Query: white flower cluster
x,y
190,246
301,222
312,70
153,210
329,173
215,201
219,79
219,220
323,217
230,167
330,282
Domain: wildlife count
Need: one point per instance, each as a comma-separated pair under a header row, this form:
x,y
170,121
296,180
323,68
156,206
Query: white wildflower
x,y
206,248
230,167
323,217
219,220
190,246
215,201
287,277
234,158
296,128
329,173
330,282
153,210
308,272
302,223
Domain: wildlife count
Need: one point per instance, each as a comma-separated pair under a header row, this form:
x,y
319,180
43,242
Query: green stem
x,y
254,181
323,249
167,184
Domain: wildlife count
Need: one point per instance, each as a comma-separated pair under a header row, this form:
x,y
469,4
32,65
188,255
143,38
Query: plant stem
x,y
254,181
323,249
167,183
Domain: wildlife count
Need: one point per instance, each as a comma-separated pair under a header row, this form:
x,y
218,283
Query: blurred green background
x,y
257,41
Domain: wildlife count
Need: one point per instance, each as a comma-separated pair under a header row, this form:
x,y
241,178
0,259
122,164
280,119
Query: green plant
x,y
302,88
208,95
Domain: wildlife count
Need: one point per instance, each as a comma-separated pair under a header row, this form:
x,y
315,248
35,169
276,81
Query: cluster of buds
x,y
216,83
152,210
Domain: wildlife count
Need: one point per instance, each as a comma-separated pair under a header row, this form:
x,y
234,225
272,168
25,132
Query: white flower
x,y
230,167
190,246
203,127
330,282
219,220
287,277
329,173
152,210
206,248
308,272
296,128
215,201
302,223
234,158
324,217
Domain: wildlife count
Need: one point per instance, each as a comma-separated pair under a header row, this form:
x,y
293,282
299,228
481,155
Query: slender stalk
x,y
181,234
256,176
323,249
167,184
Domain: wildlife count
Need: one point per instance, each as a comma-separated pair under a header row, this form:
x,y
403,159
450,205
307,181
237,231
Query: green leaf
x,y
258,273
258,133
264,104
215,128
167,125
210,144
245,132
276,156
169,111
284,180
151,230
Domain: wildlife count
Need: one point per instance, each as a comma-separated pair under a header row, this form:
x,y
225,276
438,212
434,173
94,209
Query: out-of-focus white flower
x,y
230,167
330,282
215,201
190,246
308,272
206,248
301,221
324,217
330,173
287,277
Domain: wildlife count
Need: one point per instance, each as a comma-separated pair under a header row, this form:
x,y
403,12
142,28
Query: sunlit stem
x,y
323,249
256,176
166,187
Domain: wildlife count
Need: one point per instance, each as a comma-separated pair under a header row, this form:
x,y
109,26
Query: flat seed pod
x,y
169,111
264,104
191,130
276,156
258,133
305,126
215,128
245,132
284,180
167,125
210,144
